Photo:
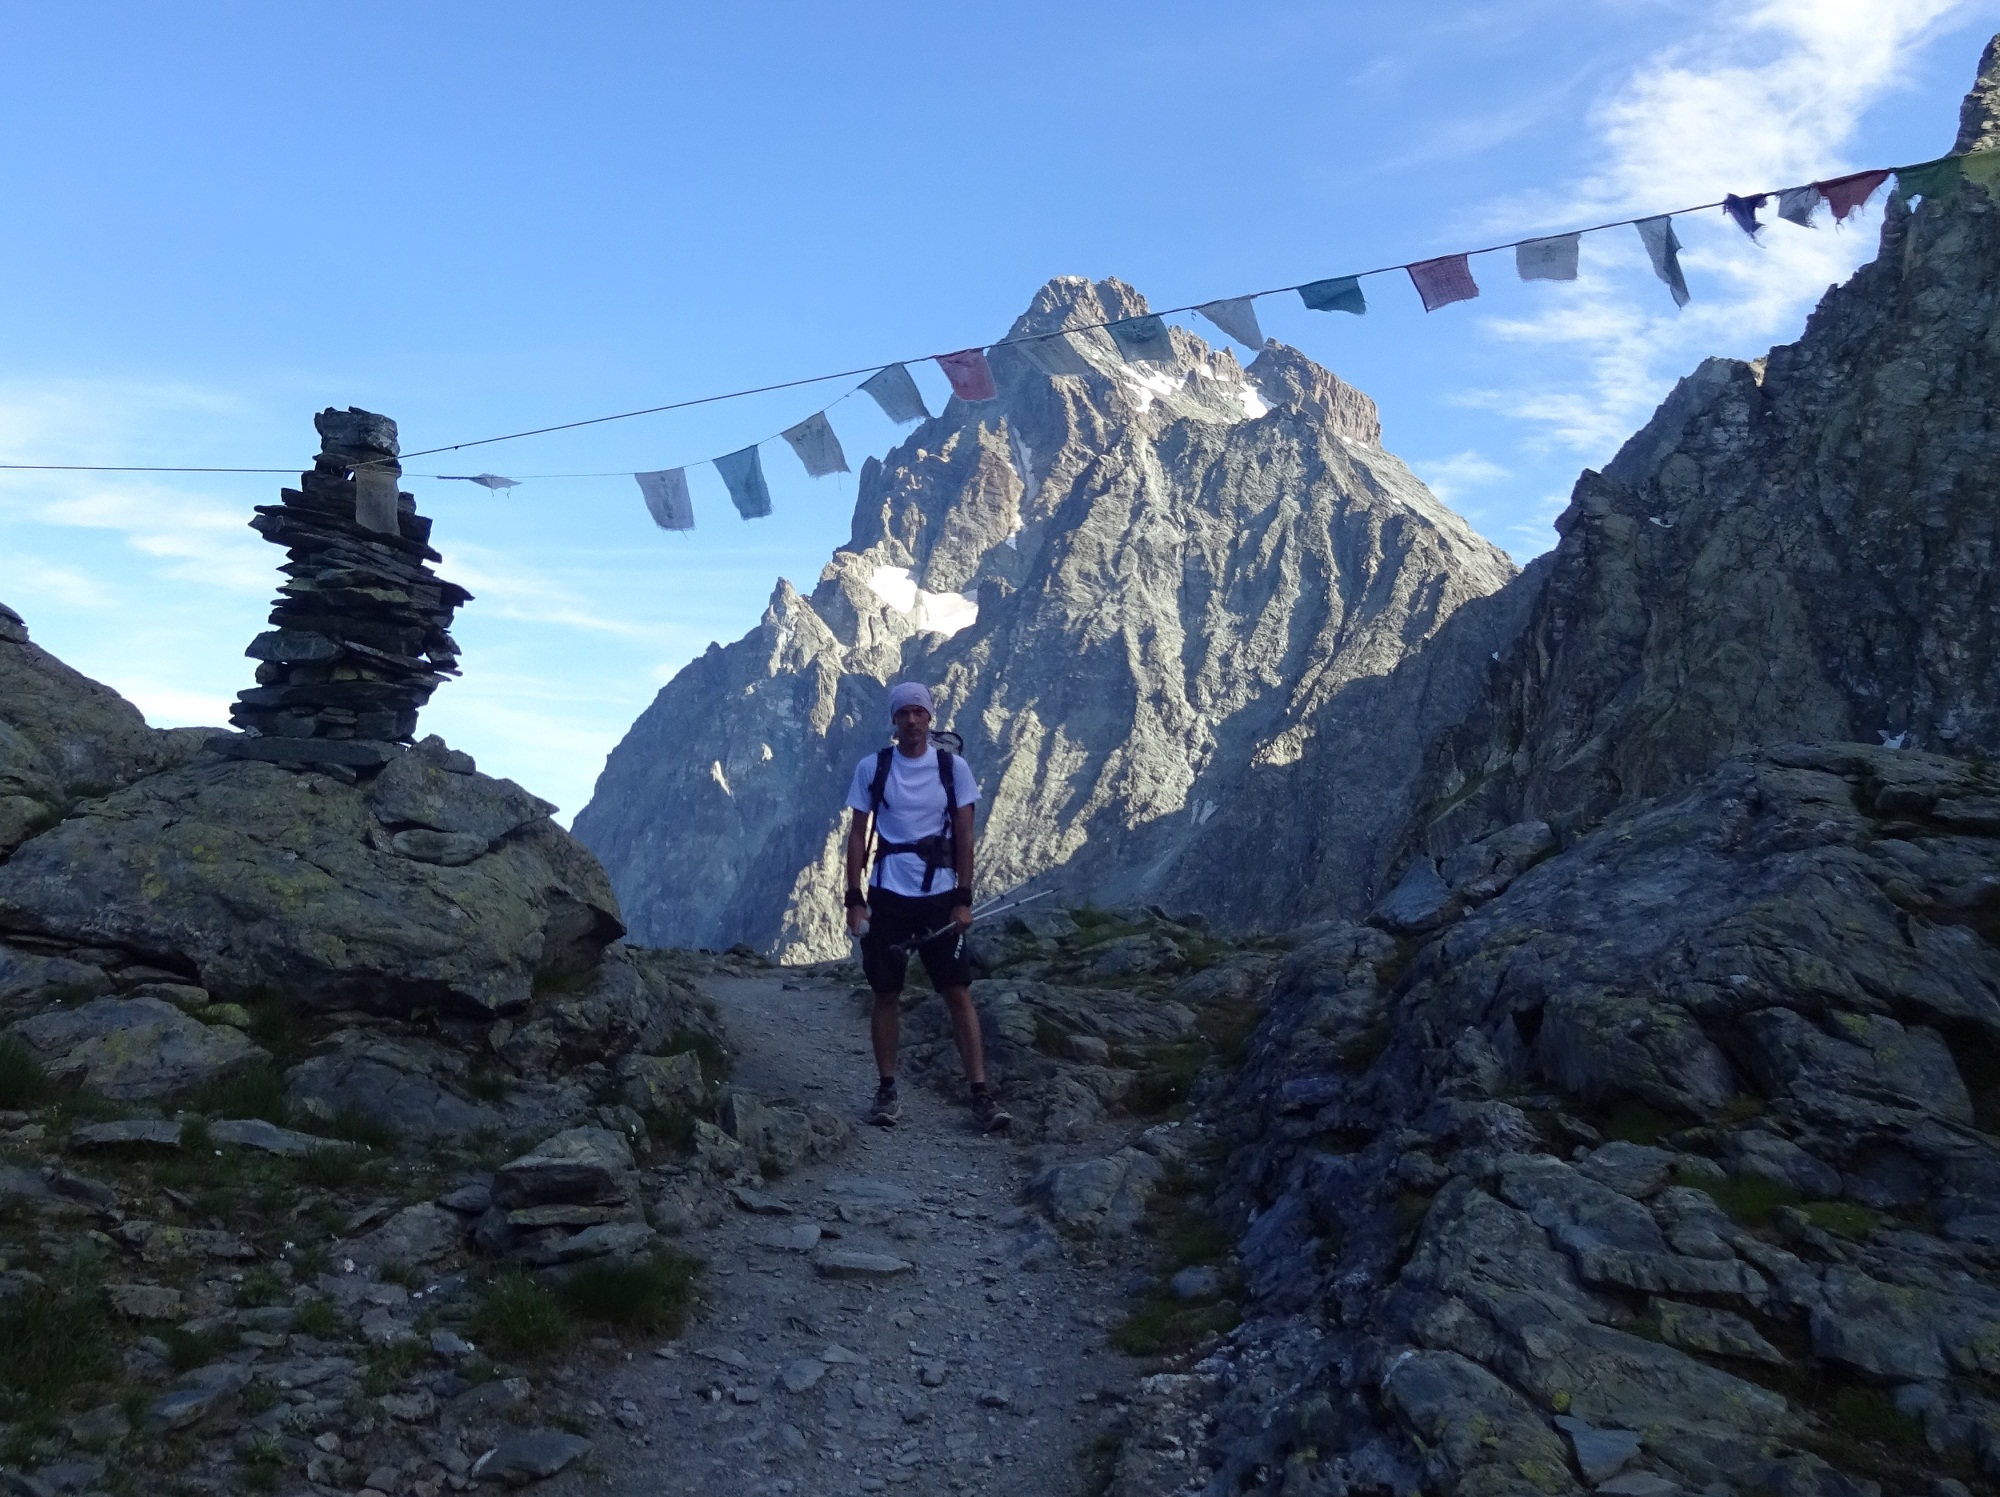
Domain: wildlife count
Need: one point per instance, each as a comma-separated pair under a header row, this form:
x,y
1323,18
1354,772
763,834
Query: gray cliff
x,y
1646,1138
1174,607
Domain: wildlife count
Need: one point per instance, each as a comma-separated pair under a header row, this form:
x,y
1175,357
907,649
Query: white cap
x,y
909,694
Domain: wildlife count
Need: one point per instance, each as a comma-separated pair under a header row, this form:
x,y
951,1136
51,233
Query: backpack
x,y
940,849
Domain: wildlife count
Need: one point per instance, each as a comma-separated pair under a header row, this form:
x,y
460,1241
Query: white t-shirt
x,y
913,807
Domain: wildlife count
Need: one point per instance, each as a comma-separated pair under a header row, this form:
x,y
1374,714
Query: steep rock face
x,y
1144,592
1796,548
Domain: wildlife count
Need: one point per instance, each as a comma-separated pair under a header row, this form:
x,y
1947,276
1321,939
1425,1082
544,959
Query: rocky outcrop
x,y
247,878
1146,593
66,738
1644,1139
1795,548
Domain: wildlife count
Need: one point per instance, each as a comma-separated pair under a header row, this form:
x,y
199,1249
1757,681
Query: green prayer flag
x,y
1341,294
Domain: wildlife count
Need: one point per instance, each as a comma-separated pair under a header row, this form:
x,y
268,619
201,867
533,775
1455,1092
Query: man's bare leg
x,y
885,1028
965,1029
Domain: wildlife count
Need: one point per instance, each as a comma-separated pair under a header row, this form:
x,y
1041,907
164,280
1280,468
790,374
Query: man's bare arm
x,y
857,861
961,836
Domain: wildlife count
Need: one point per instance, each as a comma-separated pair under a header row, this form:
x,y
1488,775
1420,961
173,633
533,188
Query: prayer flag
x,y
1340,294
1442,281
818,448
893,390
1933,180
484,480
1238,318
1055,353
375,500
971,378
1796,205
666,496
1845,194
1665,249
744,473
1547,259
1743,211
1143,338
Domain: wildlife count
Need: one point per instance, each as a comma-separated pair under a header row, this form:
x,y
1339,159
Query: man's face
x,y
913,726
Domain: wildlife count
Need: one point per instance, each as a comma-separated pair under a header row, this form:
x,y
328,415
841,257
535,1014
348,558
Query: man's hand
x,y
855,915
962,917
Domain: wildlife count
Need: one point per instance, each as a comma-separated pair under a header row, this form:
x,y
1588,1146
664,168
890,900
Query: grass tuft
x,y
1166,1327
256,1091
23,1083
651,1294
1866,1414
359,1126
1843,1218
330,1168
390,1366
187,1350
1634,1122
56,1337
318,1317
261,1286
518,1317
1751,1199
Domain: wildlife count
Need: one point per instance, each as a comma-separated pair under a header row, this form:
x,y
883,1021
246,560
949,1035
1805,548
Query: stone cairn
x,y
360,636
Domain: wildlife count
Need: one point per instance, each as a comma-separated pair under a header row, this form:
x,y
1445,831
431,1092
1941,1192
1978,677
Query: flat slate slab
x,y
844,1263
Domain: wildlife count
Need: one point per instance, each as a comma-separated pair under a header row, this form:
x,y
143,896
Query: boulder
x,y
389,1085
1105,1196
582,1166
530,1456
417,1234
786,1136
129,1049
206,1391
662,1083
256,876
436,788
31,981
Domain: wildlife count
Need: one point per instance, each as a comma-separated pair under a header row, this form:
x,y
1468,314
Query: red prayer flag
x,y
1444,281
1845,194
967,370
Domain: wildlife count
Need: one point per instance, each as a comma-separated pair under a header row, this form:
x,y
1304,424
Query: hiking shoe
x,y
888,1108
989,1114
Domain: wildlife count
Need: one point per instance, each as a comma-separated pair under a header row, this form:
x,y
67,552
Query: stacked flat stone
x,y
361,635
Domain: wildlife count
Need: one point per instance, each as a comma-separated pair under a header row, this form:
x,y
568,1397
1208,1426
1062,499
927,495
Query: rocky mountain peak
x,y
1139,584
1979,115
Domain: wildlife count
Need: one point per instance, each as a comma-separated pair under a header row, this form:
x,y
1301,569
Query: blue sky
x,y
479,218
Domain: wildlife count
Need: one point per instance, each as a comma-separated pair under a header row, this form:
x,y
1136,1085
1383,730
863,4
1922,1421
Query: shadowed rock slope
x,y
1143,591
1646,1139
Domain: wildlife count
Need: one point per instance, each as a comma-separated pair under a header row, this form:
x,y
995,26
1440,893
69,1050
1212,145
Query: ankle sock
x,y
981,1089
889,1083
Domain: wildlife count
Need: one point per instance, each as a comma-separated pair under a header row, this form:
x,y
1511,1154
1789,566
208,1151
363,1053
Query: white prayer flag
x,y
1055,354
666,495
1547,259
818,448
897,394
1665,248
1237,317
1796,205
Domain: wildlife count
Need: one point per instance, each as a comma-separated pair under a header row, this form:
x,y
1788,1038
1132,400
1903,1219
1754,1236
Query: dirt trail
x,y
971,1372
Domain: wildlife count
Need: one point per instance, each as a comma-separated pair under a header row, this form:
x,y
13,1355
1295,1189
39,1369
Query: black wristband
x,y
961,897
855,901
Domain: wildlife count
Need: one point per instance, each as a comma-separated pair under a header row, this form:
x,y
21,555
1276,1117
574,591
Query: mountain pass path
x,y
966,1372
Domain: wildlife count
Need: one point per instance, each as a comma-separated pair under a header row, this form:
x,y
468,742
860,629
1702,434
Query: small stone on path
x,y
845,1263
802,1374
523,1458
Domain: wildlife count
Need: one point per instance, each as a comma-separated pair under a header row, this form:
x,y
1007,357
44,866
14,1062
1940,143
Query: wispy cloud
x,y
1760,97
1450,478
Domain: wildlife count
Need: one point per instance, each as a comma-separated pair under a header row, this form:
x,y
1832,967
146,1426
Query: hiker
x,y
919,798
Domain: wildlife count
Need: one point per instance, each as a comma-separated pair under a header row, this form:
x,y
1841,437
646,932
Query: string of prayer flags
x,y
1939,179
893,390
1547,259
484,480
1664,246
1143,339
1237,316
1845,194
1339,294
666,496
743,472
1442,281
818,448
970,375
1743,211
1796,205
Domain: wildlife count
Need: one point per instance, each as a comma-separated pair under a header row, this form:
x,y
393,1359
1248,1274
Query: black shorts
x,y
894,918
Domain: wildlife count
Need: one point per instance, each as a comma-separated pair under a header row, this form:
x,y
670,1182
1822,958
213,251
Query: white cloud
x,y
1450,477
1761,97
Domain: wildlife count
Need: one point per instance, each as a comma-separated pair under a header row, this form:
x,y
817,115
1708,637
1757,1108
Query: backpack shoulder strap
x,y
950,784
880,783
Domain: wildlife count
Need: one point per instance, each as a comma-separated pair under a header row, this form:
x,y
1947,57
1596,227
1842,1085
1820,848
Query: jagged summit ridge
x,y
1139,587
